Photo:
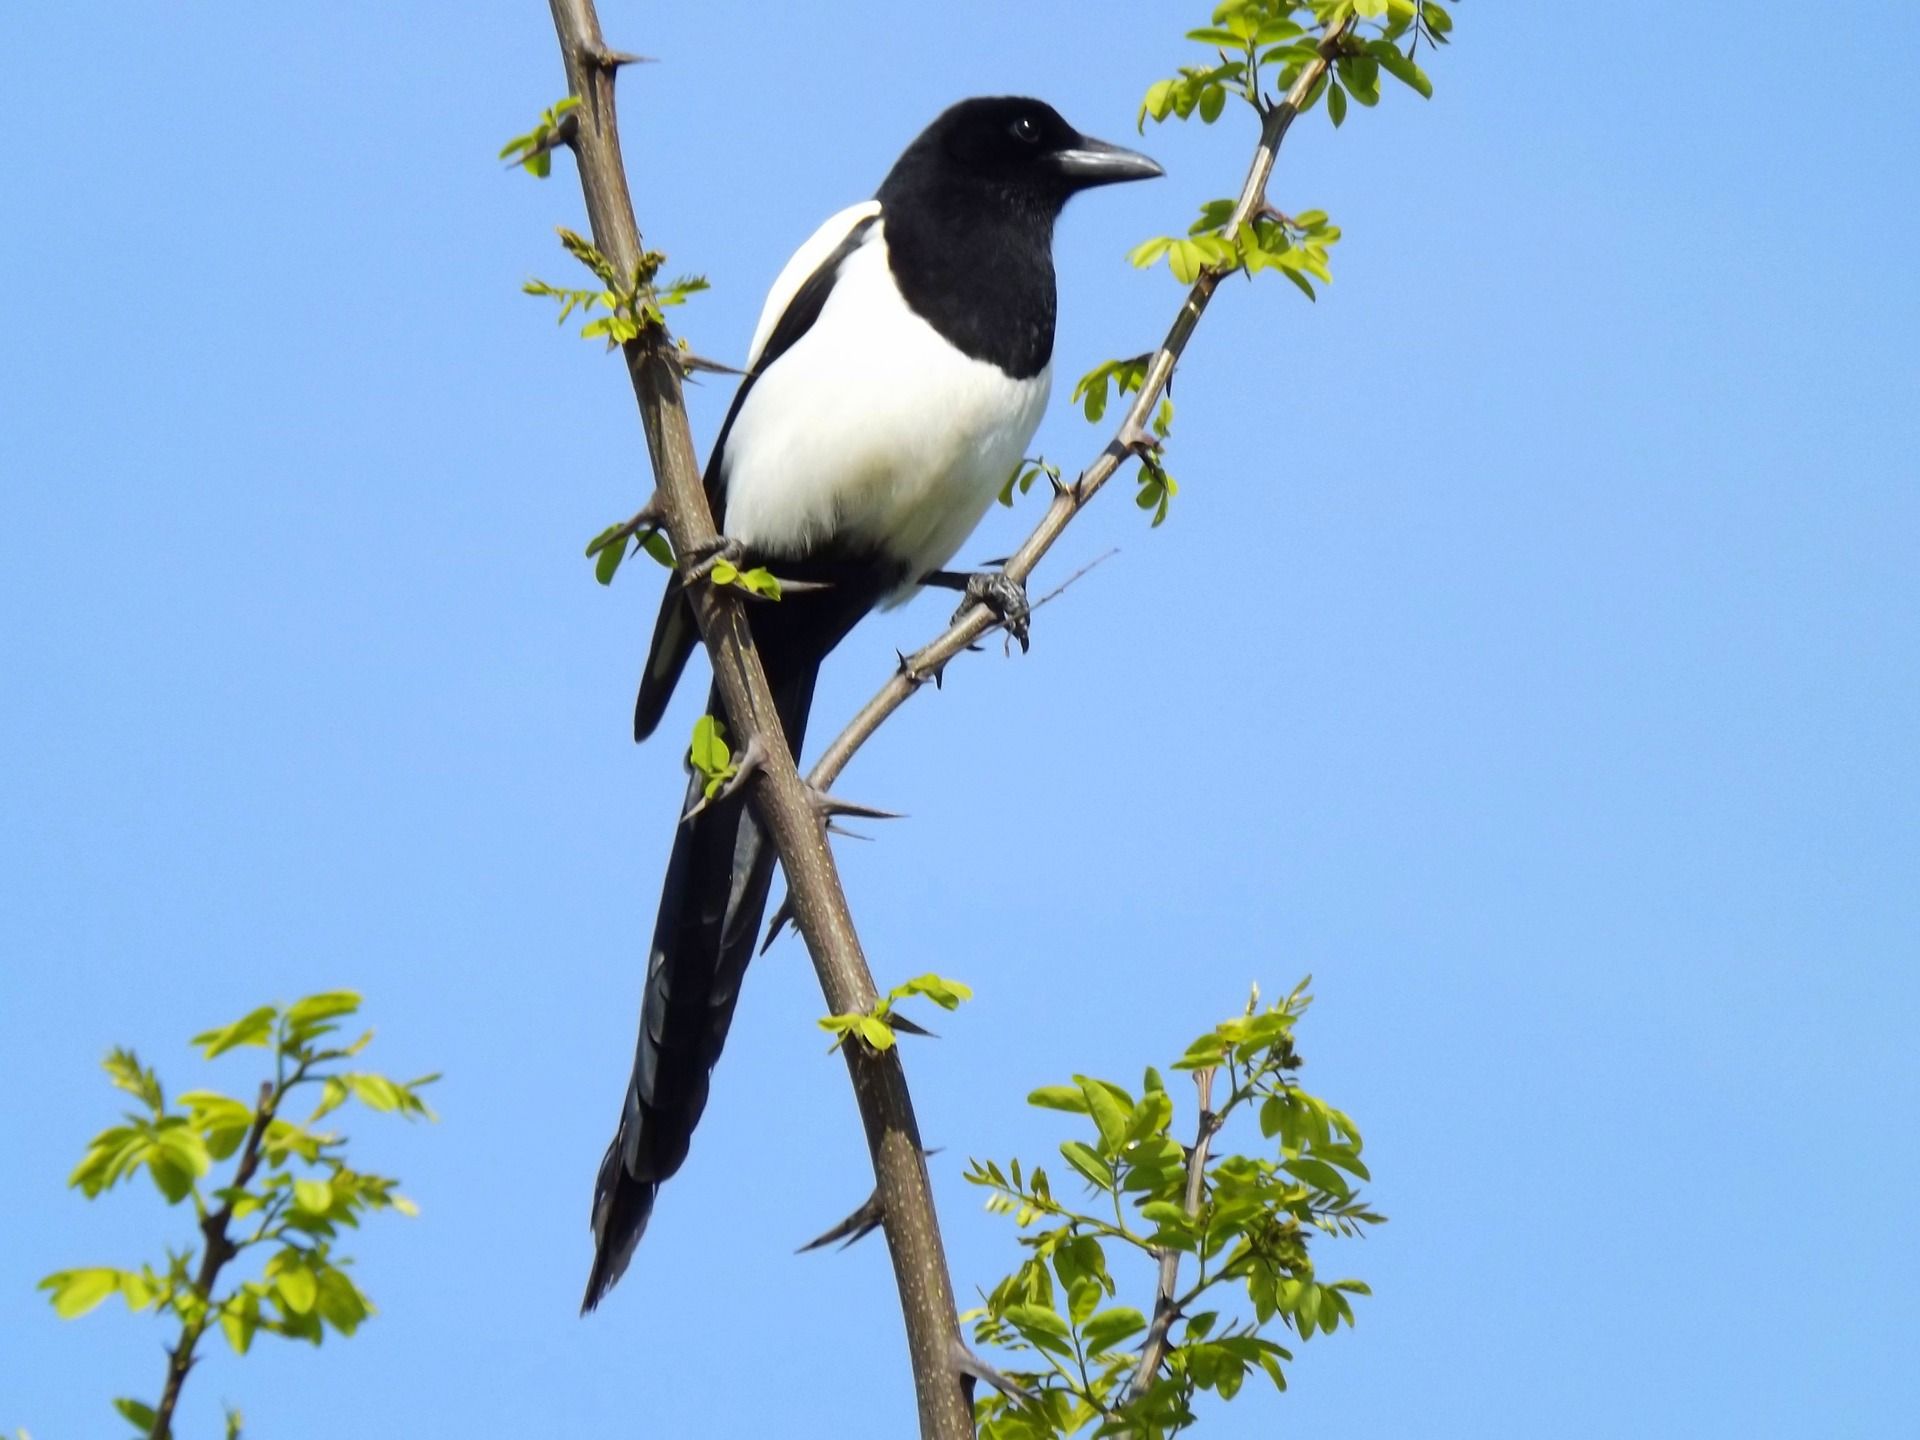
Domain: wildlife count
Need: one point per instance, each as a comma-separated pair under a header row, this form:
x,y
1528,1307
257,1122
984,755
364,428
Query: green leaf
x,y
606,563
1337,105
136,1413
253,1028
1082,1157
328,1005
1110,1327
313,1196
1108,1113
1040,1325
876,1032
1401,67
760,581
709,753
298,1287
1059,1097
75,1292
947,994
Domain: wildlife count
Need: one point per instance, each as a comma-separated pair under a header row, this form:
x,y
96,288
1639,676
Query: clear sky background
x,y
1530,655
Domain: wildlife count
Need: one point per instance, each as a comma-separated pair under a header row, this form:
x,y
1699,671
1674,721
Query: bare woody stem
x,y
219,1250
779,796
1166,1307
1068,500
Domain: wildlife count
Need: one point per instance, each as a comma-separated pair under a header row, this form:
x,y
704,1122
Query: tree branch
x,y
931,659
779,796
219,1250
1166,1305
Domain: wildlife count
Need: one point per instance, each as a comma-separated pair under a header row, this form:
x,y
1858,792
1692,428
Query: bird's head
x,y
1017,147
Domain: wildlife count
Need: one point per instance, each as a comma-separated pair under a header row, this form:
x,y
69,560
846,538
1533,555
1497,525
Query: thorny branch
x,y
1132,436
779,796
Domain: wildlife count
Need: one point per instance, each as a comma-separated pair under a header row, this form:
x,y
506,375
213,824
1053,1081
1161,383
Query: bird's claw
x,y
705,557
1006,597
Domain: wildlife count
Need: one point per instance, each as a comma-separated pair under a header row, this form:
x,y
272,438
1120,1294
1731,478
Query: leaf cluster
x,y
261,1184
533,151
1248,1231
625,306
1025,474
875,1026
612,545
1262,43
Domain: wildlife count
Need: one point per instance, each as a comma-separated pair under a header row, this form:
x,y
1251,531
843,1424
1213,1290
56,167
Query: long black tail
x,y
710,911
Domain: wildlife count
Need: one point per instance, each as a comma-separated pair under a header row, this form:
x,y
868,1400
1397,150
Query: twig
x,y
1061,588
1068,500
1166,1304
779,797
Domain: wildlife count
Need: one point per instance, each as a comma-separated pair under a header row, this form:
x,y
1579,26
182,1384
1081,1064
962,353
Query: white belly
x,y
874,430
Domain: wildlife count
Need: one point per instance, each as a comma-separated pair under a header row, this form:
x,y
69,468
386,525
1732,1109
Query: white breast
x,y
873,428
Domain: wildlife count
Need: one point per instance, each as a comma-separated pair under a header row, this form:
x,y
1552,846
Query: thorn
x,y
782,917
827,805
689,362
909,1027
857,1226
611,60
751,760
801,587
971,1367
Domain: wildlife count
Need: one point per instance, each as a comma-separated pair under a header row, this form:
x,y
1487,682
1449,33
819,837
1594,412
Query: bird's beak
x,y
1094,162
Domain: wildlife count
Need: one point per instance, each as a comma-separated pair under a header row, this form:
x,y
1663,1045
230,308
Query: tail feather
x,y
711,905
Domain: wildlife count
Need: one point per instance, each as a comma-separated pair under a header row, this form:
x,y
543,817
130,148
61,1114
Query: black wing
x,y
674,632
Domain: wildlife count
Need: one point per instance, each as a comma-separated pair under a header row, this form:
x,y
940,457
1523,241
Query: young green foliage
x,y
875,1026
1243,1221
1261,48
286,1196
758,582
613,544
533,151
1024,474
710,754
630,306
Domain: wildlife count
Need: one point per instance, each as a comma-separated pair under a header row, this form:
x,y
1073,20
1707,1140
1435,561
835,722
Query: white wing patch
x,y
873,428
807,259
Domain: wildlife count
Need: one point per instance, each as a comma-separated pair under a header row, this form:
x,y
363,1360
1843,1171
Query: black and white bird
x,y
900,367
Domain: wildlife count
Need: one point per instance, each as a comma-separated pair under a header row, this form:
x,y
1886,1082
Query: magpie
x,y
900,367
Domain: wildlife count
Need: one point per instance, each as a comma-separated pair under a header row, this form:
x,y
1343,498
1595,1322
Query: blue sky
x,y
1530,655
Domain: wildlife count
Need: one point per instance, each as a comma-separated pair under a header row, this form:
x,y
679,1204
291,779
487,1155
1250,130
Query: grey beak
x,y
1095,162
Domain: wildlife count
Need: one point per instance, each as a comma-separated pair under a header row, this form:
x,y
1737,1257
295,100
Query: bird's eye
x,y
1025,129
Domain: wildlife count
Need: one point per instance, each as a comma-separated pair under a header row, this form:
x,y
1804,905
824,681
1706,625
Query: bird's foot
x,y
1003,595
705,557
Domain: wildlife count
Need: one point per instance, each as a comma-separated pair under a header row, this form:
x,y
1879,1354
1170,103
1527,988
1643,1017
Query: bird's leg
x,y
1005,596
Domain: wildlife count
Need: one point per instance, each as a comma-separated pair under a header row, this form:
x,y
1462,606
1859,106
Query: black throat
x,y
975,261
